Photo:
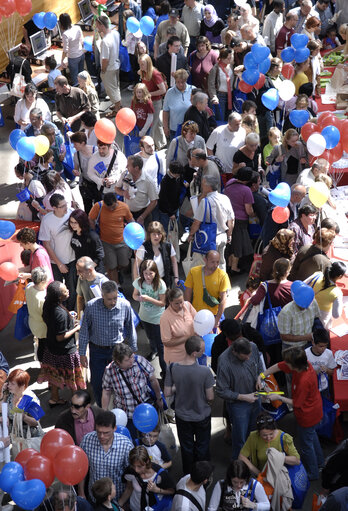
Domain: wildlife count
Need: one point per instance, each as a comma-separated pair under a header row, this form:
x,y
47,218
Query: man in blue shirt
x,y
176,103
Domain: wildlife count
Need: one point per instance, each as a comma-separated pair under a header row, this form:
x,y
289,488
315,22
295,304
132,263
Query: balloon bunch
x,y
121,421
280,197
27,147
105,130
45,20
257,63
138,28
330,137
9,7
298,50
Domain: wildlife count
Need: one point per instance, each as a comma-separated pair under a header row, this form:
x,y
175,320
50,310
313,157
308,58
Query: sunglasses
x,y
264,420
77,407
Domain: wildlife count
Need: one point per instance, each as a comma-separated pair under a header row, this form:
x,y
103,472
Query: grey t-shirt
x,y
83,287
191,382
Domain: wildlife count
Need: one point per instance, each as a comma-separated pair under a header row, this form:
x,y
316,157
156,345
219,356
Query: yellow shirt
x,y
299,80
324,297
216,283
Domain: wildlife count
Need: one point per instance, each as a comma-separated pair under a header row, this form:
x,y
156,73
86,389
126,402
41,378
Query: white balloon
x,y
203,322
287,90
316,144
240,3
121,417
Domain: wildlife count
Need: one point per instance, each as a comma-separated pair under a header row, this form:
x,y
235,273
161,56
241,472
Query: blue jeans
x,y
76,65
310,451
164,219
99,358
243,419
194,438
153,333
221,110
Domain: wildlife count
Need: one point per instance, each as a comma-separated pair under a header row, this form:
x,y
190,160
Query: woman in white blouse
x,y
72,37
27,103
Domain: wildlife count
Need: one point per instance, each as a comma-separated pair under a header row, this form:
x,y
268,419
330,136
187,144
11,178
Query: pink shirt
x,y
173,325
41,258
82,428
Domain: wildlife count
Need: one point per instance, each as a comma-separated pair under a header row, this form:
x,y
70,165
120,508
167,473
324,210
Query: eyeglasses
x,y
264,420
73,405
188,123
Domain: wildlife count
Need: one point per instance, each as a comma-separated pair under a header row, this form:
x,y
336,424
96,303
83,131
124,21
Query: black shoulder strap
x,y
189,496
129,387
111,164
79,160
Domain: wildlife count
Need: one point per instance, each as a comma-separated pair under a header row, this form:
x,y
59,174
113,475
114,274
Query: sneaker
x,y
130,87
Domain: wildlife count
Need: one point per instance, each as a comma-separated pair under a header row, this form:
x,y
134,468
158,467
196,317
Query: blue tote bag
x,y
299,481
205,238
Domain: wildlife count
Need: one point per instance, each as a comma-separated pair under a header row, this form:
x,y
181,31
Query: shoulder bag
x,y
20,441
18,84
299,480
267,323
207,298
205,238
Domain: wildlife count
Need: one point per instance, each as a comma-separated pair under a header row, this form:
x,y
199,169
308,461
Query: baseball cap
x,y
174,12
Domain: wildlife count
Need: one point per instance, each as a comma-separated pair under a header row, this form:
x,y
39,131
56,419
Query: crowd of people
x,y
207,156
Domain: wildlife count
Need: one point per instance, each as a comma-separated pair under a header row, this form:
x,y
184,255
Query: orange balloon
x,y
280,215
71,465
40,467
288,71
125,120
308,129
260,82
53,441
245,87
24,456
8,271
105,131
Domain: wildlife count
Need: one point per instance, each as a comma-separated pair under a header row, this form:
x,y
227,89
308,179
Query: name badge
x,y
100,167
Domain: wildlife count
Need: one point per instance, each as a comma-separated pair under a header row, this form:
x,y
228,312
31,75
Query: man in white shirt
x,y
272,24
56,236
98,166
154,163
109,61
190,493
227,139
307,176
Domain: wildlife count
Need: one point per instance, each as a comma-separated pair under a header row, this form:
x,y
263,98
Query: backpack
x,y
218,163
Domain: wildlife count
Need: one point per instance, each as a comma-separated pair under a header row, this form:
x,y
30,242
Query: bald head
x,y
297,193
212,261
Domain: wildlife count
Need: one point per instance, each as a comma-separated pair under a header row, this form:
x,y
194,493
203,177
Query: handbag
x,y
163,502
22,329
267,323
188,261
299,480
207,298
166,435
68,162
325,427
205,238
21,442
18,84
173,237
132,143
18,298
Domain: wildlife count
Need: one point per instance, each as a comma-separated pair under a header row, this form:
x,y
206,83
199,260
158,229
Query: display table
x,y
340,387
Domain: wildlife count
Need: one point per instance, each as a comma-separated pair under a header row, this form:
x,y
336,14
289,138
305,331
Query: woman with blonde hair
x,y
85,83
143,108
249,155
343,31
157,88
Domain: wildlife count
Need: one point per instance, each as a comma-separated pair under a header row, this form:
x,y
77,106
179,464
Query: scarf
x,y
223,66
214,16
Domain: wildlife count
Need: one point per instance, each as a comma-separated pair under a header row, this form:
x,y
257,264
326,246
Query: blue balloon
x,y
251,76
26,148
11,474
50,20
39,20
7,229
88,43
208,341
260,52
133,24
303,295
147,25
288,54
296,285
270,99
299,117
265,65
332,136
15,135
249,61
29,494
280,196
122,430
145,418
133,235
301,55
299,41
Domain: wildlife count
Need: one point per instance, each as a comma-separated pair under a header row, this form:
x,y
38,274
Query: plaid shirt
x,y
107,327
295,321
137,378
107,464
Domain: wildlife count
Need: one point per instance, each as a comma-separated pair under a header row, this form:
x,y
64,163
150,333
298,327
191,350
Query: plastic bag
x,y
166,435
173,237
22,329
18,298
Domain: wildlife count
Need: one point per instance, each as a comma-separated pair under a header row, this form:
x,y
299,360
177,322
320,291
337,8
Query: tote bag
x,y
268,323
173,237
18,84
299,481
205,238
20,441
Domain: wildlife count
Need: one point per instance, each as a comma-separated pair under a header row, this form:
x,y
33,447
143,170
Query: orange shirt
x,y
111,222
173,325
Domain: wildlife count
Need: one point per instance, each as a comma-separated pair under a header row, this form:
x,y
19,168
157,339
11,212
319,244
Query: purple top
x,y
201,68
239,195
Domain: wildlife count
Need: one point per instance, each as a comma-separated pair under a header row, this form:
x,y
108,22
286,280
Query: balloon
x,y
42,145
133,24
260,52
133,235
265,65
286,90
244,87
24,456
23,7
54,441
288,54
28,494
302,294
203,322
121,417
327,155
38,19
122,430
105,130
325,115
88,43
302,54
250,76
270,99
249,62
318,194
308,129
8,271
15,135
71,465
299,117
336,153
40,467
240,3
26,148
288,71
316,144
261,82
280,215
296,285
329,120
50,20
145,417
8,7
280,196
7,229
299,41
208,343
11,474
332,136
125,120
147,25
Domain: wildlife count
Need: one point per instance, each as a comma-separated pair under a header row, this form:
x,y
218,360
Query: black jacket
x,y
163,64
169,195
165,249
65,421
201,118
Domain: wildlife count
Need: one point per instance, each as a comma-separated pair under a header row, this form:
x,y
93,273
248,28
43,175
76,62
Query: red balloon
x,y
280,215
40,467
337,152
105,130
260,82
344,140
328,156
54,441
245,87
23,7
288,71
24,456
7,8
8,271
329,121
71,465
125,120
308,129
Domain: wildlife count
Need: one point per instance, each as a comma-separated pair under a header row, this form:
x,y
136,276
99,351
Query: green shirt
x,y
148,311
